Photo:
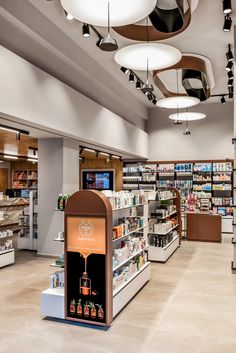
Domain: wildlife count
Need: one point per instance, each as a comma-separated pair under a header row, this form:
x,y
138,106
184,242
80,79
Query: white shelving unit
x,y
27,238
7,257
162,253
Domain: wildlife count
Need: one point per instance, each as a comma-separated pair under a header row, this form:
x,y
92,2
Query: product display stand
x,y
164,224
105,259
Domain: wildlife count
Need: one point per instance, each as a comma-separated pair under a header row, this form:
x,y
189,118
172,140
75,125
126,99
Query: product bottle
x,y
72,307
85,284
59,202
86,310
79,308
100,312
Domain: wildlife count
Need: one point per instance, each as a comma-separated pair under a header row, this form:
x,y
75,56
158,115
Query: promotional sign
x,y
86,260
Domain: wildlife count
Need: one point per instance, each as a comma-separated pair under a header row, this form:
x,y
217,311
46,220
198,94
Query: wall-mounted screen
x,y
98,180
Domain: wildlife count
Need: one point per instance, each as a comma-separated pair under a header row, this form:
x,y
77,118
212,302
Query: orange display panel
x,y
86,235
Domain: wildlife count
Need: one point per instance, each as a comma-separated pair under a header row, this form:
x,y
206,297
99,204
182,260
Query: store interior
x,y
117,177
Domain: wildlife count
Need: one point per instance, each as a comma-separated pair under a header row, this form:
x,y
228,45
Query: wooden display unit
x,y
88,258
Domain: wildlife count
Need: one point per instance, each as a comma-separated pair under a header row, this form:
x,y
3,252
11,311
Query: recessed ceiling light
x,y
178,102
123,12
158,56
7,156
187,116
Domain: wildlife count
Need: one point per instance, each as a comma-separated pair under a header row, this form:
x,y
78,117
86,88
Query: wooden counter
x,y
202,226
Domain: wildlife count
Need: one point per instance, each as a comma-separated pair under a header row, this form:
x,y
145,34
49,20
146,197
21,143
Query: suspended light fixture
x,y
178,122
227,7
229,54
178,102
227,23
159,55
147,87
95,12
108,43
190,116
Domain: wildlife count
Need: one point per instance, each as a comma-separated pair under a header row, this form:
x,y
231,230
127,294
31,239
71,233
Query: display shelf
x,y
52,302
131,206
160,254
123,297
167,216
130,258
119,289
57,210
55,265
6,251
170,230
126,235
60,240
7,257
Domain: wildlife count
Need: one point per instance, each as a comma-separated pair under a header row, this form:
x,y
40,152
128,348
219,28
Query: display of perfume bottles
x,y
88,310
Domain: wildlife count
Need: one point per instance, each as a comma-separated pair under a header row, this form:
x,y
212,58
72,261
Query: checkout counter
x,y
203,226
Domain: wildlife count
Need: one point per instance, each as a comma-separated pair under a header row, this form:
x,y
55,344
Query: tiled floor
x,y
189,306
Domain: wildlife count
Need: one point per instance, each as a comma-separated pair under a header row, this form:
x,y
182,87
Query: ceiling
x,y
38,31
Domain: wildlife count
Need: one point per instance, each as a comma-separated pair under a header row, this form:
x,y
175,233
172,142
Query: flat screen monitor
x,y
98,180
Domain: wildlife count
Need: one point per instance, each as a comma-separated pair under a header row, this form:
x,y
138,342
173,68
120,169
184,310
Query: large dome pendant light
x,y
158,55
108,43
94,12
178,102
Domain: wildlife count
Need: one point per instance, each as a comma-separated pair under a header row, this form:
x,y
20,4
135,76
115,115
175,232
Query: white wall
x,y
33,97
58,173
211,138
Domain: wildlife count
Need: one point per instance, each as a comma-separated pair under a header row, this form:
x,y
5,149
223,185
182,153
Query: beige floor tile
x,y
170,342
200,324
209,288
202,303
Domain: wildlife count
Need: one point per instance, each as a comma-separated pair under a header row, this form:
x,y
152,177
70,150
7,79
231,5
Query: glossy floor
x,y
188,306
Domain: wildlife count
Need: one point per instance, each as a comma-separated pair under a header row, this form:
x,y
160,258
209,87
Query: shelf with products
x,y
165,229
93,284
24,179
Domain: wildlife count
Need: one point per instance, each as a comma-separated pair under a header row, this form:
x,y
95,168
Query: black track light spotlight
x,y
231,92
229,54
69,17
154,101
187,132
147,88
108,44
227,23
131,77
86,30
230,75
230,83
150,96
223,101
124,70
227,7
138,84
229,66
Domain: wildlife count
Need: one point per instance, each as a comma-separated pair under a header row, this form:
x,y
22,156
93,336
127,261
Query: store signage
x,y
86,235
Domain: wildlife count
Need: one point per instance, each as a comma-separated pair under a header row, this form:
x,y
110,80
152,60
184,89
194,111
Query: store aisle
x,y
188,306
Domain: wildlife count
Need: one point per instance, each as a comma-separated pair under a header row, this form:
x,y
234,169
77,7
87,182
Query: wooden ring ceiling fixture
x,y
165,24
193,68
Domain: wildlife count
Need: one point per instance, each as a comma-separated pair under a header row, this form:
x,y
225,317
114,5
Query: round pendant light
x,y
123,12
178,102
187,116
158,55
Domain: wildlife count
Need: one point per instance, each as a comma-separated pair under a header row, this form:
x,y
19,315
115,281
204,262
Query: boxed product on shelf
x,y
57,280
128,248
222,187
184,167
202,167
165,195
161,241
221,177
222,167
7,245
165,183
202,187
166,168
124,199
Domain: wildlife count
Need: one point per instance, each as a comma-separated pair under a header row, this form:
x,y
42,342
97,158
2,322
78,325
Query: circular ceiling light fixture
x,y
178,102
187,116
123,12
158,55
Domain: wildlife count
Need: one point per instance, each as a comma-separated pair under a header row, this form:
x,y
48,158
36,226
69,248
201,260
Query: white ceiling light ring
x,y
178,102
187,116
123,12
159,56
